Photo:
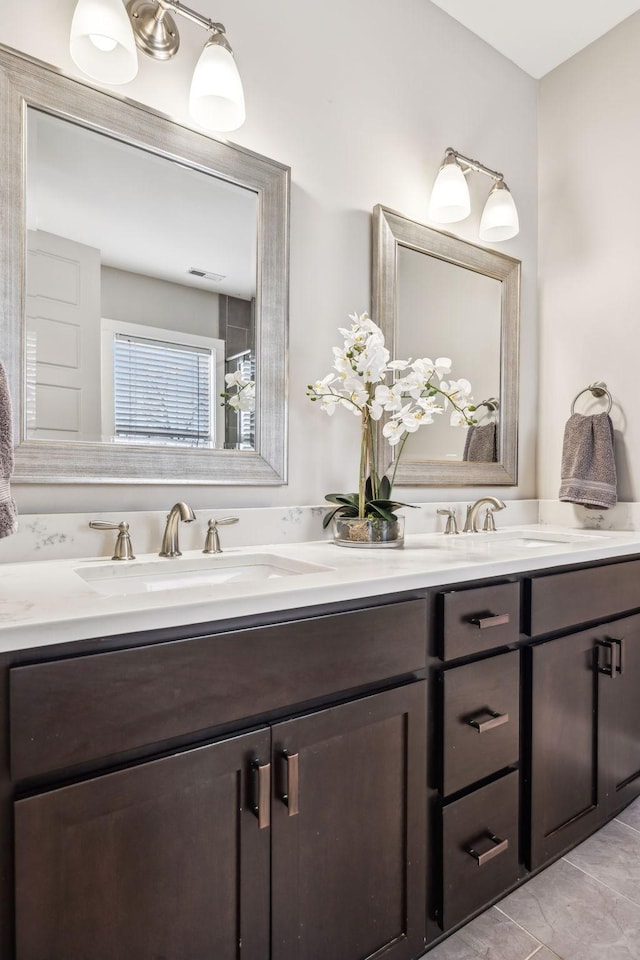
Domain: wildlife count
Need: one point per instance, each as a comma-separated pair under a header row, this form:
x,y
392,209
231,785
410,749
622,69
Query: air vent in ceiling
x,y
206,274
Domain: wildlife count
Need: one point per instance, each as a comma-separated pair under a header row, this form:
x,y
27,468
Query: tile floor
x,y
585,906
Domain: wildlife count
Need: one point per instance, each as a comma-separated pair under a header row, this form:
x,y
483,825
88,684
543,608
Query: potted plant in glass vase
x,y
411,393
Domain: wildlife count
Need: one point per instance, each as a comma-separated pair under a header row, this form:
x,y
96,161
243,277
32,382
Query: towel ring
x,y
597,389
492,404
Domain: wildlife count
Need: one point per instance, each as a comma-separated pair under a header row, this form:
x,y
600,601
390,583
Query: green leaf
x,y
384,489
350,499
376,508
330,514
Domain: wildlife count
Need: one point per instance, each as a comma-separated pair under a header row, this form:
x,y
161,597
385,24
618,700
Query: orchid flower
x,y
363,381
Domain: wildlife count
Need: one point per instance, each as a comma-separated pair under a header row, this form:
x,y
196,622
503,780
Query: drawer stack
x,y
479,726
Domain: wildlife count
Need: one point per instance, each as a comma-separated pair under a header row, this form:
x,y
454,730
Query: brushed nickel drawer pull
x,y
491,621
499,846
261,805
292,794
495,720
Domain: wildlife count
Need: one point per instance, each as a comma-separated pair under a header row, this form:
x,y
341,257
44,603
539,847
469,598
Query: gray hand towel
x,y
8,510
588,462
481,444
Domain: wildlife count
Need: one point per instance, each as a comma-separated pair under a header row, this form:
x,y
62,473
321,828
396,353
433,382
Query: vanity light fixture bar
x,y
450,201
467,164
104,37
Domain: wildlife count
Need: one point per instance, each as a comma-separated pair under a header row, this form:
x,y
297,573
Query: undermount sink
x,y
148,576
524,539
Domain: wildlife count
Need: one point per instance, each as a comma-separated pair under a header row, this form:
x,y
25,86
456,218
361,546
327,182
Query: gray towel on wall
x,y
588,462
8,509
481,444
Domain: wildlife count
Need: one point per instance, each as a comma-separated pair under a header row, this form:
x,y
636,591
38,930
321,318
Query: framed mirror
x,y
144,266
437,296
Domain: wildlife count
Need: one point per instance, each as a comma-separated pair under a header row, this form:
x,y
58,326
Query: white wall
x,y
453,313
360,99
589,250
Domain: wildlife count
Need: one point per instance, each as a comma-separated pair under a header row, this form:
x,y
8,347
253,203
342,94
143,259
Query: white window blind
x,y
247,425
162,390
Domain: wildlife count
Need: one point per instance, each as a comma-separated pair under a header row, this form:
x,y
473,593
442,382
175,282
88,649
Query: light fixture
x,y
450,198
102,43
104,36
499,217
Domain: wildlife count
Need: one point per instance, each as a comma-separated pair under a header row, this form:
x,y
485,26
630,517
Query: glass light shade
x,y
499,217
216,100
450,199
102,44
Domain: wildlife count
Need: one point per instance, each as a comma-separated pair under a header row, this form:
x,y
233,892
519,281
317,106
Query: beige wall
x,y
589,249
133,298
360,99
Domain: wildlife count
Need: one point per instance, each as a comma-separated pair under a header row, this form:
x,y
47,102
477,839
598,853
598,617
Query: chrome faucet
x,y
179,511
471,522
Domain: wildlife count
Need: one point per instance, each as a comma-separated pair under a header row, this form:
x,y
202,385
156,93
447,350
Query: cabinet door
x,y
619,711
563,761
348,860
162,860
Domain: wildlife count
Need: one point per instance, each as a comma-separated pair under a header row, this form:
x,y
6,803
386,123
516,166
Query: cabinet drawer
x,y
74,711
481,720
479,619
479,848
562,600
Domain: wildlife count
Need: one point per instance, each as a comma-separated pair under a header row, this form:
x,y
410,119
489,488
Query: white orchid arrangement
x,y
243,398
411,393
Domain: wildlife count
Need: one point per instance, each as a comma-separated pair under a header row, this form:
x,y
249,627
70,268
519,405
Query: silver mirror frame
x,y
26,83
391,230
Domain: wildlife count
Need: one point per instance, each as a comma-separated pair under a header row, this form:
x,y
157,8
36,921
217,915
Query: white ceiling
x,y
540,34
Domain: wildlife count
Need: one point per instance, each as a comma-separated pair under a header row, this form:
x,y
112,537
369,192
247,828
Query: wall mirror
x,y
143,262
437,296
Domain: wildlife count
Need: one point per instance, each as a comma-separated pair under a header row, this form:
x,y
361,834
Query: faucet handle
x,y
451,525
123,549
212,540
489,525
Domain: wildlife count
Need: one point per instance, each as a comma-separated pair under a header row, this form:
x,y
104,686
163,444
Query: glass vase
x,y
365,532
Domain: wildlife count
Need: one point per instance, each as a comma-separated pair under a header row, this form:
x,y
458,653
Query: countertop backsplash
x,y
624,516
66,536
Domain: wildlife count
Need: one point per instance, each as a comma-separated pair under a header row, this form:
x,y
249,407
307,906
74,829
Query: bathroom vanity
x,y
347,779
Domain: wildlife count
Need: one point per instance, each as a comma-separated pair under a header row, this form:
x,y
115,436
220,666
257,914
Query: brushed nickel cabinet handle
x,y
495,720
262,793
621,655
608,669
499,846
491,621
616,665
292,794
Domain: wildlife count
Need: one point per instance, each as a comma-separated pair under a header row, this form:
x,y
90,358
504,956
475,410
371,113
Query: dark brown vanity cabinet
x,y
585,733
477,811
300,839
348,851
350,785
164,859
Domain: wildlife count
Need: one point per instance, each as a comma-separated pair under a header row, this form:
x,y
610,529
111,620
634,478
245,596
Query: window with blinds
x,y
162,391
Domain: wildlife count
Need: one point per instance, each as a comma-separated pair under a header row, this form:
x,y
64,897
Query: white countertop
x,y
47,602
